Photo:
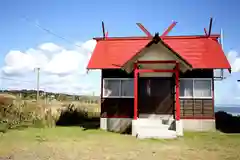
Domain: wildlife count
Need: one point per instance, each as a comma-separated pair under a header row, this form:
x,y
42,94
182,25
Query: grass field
x,y
70,143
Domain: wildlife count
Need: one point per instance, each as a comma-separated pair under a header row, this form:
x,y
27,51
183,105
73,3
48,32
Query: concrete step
x,y
150,123
150,126
155,133
147,121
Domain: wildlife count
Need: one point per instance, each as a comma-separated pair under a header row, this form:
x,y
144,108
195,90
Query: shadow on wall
x,y
227,123
77,117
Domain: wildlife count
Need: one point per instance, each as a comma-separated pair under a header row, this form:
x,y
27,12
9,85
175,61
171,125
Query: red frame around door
x,y
137,71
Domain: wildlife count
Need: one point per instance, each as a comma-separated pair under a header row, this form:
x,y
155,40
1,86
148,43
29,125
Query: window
x,y
111,88
196,88
186,88
118,87
127,88
202,88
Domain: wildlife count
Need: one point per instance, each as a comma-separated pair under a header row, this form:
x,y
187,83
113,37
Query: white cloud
x,y
234,60
66,62
62,70
50,47
227,91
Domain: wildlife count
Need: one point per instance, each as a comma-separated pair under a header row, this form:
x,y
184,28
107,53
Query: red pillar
x,y
177,101
135,92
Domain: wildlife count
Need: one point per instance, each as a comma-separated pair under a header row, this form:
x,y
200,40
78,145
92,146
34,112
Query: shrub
x,y
21,115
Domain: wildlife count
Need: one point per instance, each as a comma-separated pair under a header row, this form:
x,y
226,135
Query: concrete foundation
x,y
103,123
115,124
198,124
168,123
179,128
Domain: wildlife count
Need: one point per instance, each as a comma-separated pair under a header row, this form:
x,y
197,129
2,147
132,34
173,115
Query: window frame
x,y
120,87
194,97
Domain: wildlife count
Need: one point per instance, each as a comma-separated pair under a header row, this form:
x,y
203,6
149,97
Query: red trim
x,y
199,117
177,101
144,30
154,62
169,29
135,91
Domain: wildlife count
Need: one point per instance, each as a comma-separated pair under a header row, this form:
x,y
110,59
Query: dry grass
x,y
74,143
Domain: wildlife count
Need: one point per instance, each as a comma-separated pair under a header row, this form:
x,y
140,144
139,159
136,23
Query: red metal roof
x,y
199,51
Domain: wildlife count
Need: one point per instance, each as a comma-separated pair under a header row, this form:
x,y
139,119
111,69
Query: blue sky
x,y
79,21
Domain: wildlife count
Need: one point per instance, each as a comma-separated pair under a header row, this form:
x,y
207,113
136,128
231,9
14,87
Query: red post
x,y
135,91
177,101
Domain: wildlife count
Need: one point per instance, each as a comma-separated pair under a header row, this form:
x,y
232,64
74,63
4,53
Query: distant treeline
x,y
31,94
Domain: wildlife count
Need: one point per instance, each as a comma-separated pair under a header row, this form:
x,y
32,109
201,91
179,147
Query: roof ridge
x,y
165,37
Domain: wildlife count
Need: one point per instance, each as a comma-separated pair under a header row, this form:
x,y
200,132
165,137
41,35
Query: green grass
x,y
72,143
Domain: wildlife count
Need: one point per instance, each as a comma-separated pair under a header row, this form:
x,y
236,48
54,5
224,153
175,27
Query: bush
x,y
23,114
14,116
78,116
227,123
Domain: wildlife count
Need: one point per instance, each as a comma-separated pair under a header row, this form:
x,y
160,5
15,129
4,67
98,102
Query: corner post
x,y
103,119
135,91
179,127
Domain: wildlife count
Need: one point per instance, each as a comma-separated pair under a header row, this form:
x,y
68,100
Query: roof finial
x,y
144,30
210,27
103,30
165,33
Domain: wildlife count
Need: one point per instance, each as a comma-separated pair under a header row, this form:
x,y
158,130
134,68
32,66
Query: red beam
x,y
177,101
169,29
144,30
154,62
155,70
135,92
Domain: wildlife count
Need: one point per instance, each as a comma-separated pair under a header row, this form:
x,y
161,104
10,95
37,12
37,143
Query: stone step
x,y
150,126
150,123
156,133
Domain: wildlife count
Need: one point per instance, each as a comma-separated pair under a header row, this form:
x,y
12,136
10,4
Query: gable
x,y
156,52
